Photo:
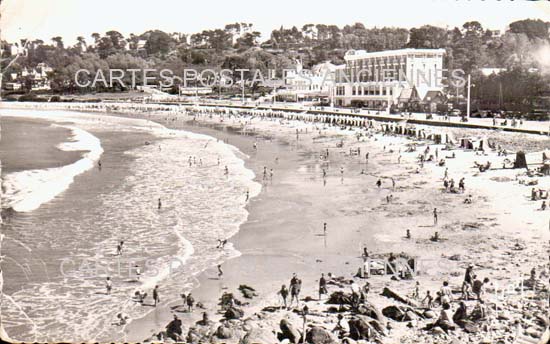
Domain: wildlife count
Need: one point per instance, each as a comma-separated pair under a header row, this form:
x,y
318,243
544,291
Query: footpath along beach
x,y
313,173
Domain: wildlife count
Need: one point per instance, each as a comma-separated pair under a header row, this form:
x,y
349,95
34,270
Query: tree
x,y
158,42
248,40
531,28
428,36
58,42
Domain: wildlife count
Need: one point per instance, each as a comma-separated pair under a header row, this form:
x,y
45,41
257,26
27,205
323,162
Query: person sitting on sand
x,y
365,291
122,319
173,329
444,320
408,235
468,200
479,312
284,294
341,330
461,315
543,205
355,295
140,296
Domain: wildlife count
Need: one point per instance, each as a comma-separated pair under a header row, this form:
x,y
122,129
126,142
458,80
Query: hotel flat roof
x,y
361,54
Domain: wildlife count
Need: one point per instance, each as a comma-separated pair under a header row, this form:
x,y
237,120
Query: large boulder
x,y
399,313
224,332
318,335
339,298
288,331
387,292
233,313
372,311
376,325
259,335
359,329
247,291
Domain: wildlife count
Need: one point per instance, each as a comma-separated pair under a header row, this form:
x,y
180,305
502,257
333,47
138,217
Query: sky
x,y
41,19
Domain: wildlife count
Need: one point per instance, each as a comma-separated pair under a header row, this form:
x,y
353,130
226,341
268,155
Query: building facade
x,y
387,78
308,84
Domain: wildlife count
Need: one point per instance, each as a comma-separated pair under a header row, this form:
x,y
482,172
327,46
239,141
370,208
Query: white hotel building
x,y
391,77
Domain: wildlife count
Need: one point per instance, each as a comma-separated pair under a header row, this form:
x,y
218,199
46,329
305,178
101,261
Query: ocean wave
x,y
200,205
26,191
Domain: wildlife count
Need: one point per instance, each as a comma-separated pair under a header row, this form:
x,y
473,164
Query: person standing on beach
x,y
247,195
159,204
156,296
435,216
220,272
468,281
190,302
284,294
295,286
379,183
108,285
325,229
322,286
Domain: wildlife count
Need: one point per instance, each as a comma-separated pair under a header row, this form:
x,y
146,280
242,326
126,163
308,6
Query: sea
x,y
62,224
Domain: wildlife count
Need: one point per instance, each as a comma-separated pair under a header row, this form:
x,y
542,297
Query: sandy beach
x,y
501,232
284,231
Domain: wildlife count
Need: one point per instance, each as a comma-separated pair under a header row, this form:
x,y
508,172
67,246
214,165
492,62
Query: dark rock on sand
x,y
259,335
339,298
318,335
247,291
387,292
359,329
372,311
233,313
399,313
288,331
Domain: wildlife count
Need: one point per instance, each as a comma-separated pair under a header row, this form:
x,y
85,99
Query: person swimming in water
x,y
119,248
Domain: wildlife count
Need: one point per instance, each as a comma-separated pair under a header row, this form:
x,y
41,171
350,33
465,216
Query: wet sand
x,y
283,233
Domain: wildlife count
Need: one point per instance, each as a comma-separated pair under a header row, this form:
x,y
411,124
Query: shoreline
x,y
244,233
303,182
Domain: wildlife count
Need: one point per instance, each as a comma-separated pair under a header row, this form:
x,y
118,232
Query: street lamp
x,y
468,102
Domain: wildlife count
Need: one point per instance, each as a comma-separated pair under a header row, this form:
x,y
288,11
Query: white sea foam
x,y
200,206
27,190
